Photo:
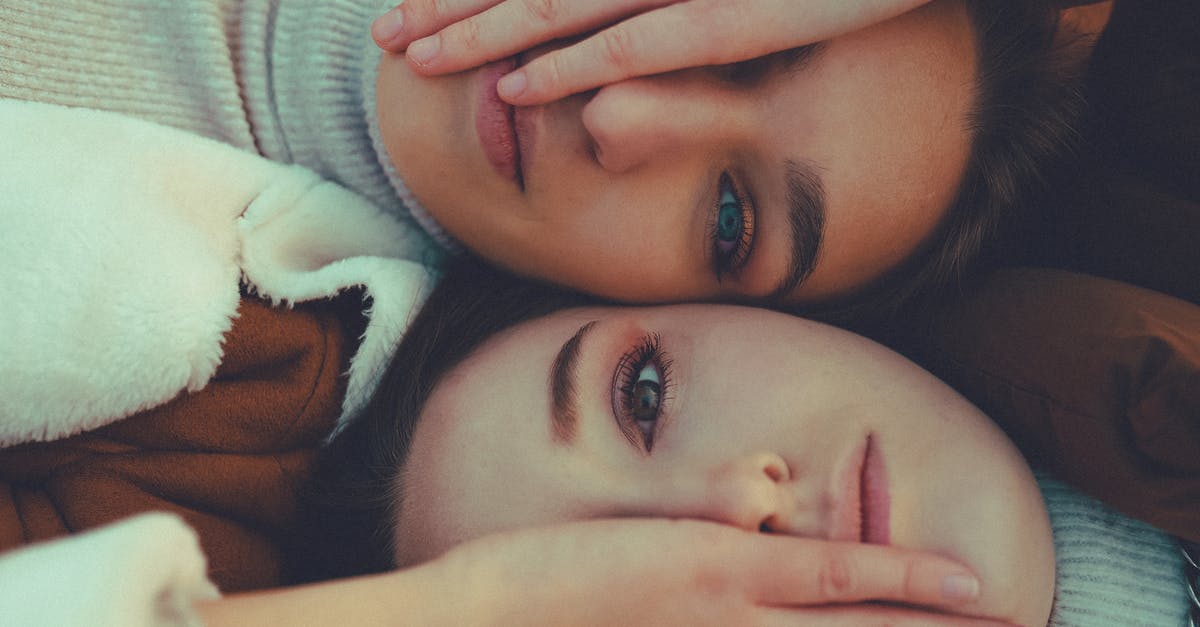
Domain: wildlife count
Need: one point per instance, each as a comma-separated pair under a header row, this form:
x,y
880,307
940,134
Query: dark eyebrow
x,y
563,412
806,222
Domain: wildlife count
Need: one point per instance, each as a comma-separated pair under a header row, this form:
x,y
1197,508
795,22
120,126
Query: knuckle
x,y
617,48
467,34
545,12
713,582
835,579
551,71
431,11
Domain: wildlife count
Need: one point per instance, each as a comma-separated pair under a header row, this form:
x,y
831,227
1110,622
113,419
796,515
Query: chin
x,y
1009,544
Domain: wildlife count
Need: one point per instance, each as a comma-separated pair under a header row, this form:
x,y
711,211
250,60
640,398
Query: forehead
x,y
485,413
884,117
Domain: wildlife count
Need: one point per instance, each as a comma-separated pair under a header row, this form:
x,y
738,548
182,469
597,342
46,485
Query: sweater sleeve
x,y
1112,570
146,571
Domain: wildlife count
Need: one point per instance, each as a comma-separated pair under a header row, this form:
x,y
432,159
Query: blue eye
x,y
732,228
729,218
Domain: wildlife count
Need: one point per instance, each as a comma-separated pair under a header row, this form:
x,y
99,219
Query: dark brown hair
x,y
347,508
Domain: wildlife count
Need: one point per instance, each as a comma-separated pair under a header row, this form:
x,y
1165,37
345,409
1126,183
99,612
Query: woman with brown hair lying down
x,y
514,406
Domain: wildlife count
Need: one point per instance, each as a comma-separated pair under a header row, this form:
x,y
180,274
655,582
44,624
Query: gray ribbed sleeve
x,y
1113,571
288,79
175,63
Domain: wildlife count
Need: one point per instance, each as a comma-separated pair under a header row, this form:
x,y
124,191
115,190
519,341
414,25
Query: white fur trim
x,y
147,571
297,247
119,273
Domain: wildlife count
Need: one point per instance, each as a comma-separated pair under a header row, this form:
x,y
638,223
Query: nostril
x,y
768,525
776,468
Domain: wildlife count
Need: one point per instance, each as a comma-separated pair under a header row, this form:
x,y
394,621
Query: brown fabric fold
x,y
228,458
1095,380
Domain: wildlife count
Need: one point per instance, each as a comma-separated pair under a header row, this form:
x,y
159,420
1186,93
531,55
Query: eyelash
x,y
730,262
647,352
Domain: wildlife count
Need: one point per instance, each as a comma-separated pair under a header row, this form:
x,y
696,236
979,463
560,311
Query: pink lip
x,y
496,126
863,511
847,514
876,502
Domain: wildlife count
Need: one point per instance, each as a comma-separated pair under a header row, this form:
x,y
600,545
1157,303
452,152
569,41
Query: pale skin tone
x,y
632,37
688,179
704,573
684,558
756,418
694,556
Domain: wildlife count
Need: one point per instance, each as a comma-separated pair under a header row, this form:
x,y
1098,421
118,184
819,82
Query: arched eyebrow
x,y
564,415
806,222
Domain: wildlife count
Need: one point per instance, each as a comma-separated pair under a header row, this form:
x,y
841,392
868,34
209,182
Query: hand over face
x,y
658,572
622,39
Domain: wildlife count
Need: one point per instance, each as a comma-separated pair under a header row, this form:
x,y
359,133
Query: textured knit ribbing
x,y
284,78
168,62
1112,570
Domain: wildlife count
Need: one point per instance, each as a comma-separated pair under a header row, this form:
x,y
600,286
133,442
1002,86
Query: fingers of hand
x,y
817,572
396,29
865,616
692,33
678,35
516,25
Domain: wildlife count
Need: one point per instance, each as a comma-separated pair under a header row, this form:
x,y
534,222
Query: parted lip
x,y
847,513
497,124
861,508
873,494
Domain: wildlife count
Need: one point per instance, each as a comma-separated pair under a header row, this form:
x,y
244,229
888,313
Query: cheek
x,y
627,248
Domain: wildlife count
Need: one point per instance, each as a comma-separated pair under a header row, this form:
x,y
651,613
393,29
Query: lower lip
x,y
494,122
876,502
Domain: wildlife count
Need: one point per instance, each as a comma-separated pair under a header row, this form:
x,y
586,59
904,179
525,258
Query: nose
x,y
668,116
751,492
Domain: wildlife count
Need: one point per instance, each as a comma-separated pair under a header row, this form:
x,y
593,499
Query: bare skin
x,y
634,38
595,573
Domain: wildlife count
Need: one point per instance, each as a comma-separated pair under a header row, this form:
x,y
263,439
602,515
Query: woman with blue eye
x,y
843,131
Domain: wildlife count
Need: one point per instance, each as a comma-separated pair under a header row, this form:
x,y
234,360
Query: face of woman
x,y
798,178
741,416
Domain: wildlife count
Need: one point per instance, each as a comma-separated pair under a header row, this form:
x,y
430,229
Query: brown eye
x,y
641,391
646,397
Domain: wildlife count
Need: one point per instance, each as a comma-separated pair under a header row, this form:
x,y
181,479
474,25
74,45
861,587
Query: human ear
x,y
1080,26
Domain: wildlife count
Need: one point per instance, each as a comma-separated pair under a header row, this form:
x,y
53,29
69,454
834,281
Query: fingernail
x,y
512,85
424,50
388,26
960,587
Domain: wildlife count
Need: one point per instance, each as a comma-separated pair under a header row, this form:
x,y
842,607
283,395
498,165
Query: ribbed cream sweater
x,y
293,80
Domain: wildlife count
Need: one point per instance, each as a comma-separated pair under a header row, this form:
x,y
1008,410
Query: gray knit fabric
x,y
288,79
1113,571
